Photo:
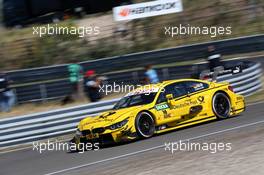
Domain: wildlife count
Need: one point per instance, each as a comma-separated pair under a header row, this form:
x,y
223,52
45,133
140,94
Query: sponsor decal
x,y
166,115
124,12
201,99
161,107
185,104
147,9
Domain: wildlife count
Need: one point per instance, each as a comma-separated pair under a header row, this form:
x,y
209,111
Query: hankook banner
x,y
147,9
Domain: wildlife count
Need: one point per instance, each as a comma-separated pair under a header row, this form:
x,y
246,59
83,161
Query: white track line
x,y
153,148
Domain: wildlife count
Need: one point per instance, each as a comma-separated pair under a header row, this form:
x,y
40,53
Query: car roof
x,y
167,82
180,80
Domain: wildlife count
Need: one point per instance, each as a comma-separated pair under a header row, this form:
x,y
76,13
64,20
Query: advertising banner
x,y
147,9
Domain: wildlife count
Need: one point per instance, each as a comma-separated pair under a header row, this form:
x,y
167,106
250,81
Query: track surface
x,y
28,162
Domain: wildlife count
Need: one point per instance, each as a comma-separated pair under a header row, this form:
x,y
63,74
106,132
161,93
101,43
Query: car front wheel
x,y
145,125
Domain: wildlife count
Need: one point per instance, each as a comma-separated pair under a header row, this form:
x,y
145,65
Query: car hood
x,y
108,118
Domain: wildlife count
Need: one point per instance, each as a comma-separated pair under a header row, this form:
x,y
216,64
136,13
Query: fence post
x,y
16,98
135,77
165,73
43,92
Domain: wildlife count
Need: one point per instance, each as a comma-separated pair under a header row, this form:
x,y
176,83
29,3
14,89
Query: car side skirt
x,y
187,124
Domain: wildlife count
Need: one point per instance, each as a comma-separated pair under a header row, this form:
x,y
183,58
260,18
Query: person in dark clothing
x,y
3,82
7,96
92,86
213,57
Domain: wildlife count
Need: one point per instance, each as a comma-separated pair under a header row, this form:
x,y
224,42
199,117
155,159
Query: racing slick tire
x,y
145,125
221,105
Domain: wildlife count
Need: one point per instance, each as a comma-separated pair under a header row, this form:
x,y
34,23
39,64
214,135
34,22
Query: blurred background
x,y
20,49
38,66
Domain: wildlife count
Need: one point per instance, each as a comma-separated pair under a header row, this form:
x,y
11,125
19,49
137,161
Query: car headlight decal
x,y
118,125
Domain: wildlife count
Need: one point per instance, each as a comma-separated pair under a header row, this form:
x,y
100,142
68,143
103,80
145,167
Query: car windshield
x,y
135,100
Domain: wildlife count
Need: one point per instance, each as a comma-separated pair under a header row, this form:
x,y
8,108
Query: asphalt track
x,y
29,162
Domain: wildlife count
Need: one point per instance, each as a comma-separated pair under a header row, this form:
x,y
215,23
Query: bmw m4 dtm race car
x,y
158,108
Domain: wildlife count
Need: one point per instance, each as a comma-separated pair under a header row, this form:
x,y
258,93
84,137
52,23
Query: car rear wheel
x,y
221,105
145,125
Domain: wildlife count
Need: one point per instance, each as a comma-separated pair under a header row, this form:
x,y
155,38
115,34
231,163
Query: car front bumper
x,y
117,136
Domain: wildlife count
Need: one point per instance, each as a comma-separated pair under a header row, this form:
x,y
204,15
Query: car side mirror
x,y
169,96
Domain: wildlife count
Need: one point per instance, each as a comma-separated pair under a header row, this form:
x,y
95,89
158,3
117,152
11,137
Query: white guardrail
x,y
28,128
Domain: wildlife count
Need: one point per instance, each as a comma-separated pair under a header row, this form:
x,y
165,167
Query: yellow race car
x,y
157,108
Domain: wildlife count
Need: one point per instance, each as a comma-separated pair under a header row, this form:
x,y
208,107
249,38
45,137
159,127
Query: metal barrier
x,y
246,83
39,126
61,88
44,125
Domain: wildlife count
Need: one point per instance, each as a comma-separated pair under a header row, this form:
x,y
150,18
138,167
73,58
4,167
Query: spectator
x,y
7,96
151,75
214,58
144,81
75,76
92,85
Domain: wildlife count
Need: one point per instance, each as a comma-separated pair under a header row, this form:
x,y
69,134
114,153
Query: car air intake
x,y
86,132
98,130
